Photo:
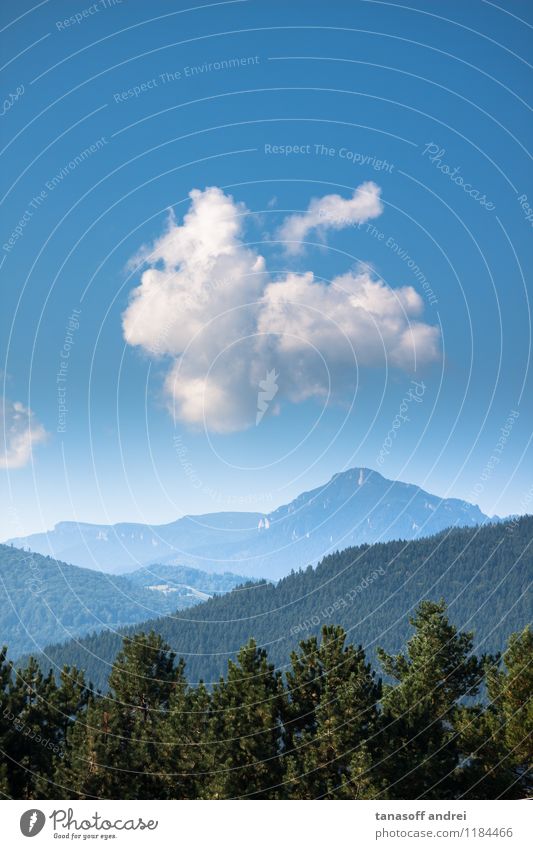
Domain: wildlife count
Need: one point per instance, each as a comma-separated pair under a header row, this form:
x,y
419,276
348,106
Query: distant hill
x,y
44,600
482,573
354,507
167,578
126,546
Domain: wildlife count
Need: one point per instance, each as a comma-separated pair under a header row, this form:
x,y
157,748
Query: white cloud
x,y
195,304
20,431
355,319
205,270
206,303
331,212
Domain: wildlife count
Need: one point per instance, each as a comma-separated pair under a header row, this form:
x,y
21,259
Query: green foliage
x,y
113,748
332,718
327,728
499,740
43,600
183,578
435,675
245,728
483,573
510,691
36,715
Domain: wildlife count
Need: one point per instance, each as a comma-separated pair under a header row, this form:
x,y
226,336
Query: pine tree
x,y
510,693
499,735
31,738
245,734
113,748
423,756
185,757
6,719
331,733
305,683
332,714
82,772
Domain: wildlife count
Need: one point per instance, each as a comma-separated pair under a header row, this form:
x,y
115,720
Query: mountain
x,y
44,600
126,546
482,573
354,507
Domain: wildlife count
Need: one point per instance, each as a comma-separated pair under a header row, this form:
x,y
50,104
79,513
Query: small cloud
x,y
20,431
331,212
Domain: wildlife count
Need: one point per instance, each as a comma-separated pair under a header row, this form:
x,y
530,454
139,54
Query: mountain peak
x,y
356,506
360,473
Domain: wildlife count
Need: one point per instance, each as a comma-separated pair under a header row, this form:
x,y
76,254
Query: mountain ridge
x,y
354,507
484,575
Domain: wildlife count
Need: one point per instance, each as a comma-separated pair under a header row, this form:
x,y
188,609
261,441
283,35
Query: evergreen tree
x,y
332,732
498,736
305,682
6,718
332,714
185,756
245,729
510,692
31,737
113,748
422,748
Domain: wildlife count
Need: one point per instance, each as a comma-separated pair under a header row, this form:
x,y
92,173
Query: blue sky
x,y
274,115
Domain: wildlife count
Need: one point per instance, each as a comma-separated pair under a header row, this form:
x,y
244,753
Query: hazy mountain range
x,y
484,574
43,600
354,507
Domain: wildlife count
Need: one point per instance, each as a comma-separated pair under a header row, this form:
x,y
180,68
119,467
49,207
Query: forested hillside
x,y
161,575
482,573
43,600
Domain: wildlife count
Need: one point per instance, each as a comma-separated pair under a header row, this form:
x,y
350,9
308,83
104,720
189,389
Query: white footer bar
x,y
267,825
